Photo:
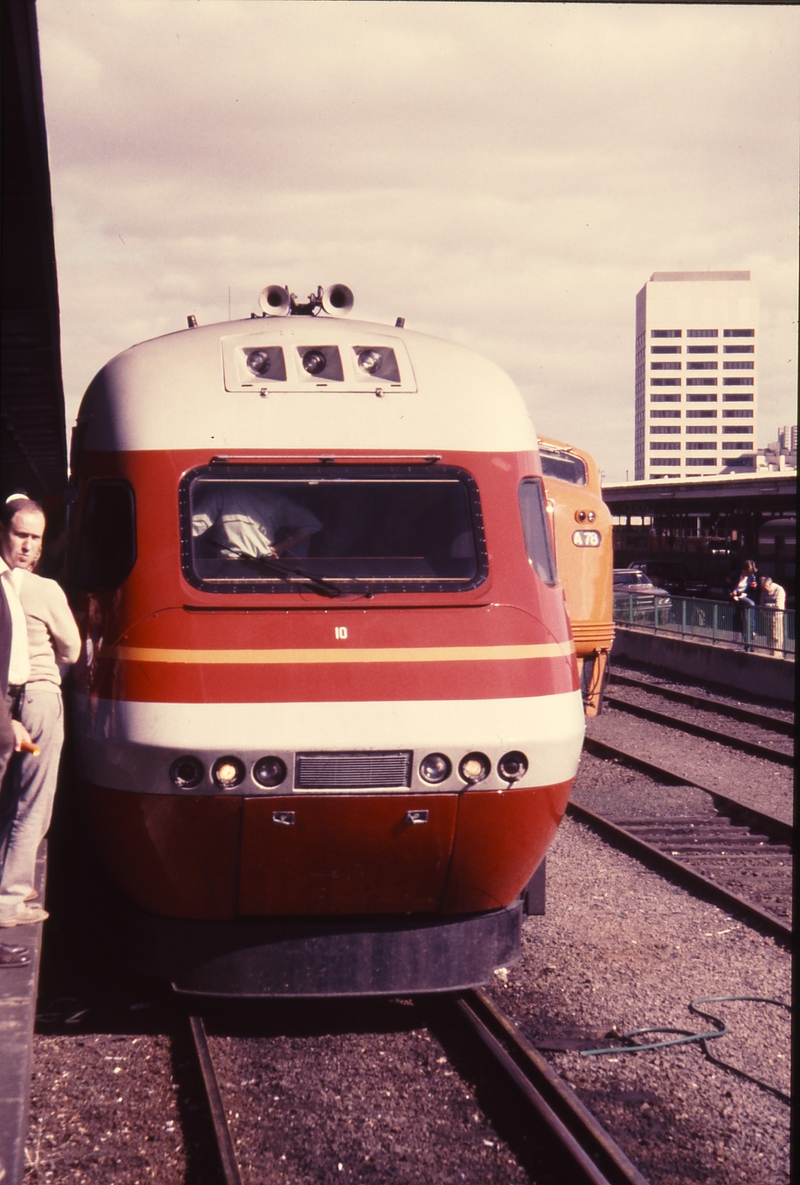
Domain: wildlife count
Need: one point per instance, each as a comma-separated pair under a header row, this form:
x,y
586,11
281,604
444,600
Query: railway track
x,y
738,857
582,1151
755,748
692,700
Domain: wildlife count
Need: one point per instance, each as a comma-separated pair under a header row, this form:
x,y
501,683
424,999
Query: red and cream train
x,y
328,713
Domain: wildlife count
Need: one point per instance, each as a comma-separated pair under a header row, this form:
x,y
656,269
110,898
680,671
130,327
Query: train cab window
x,y
563,465
535,530
331,528
106,535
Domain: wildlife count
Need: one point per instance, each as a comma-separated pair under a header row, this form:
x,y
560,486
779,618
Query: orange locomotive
x,y
585,559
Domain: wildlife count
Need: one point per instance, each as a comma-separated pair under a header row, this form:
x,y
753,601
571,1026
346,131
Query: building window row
x,y
701,430
665,349
665,461
701,382
742,429
701,461
666,415
738,444
702,415
738,365
665,431
665,382
665,398
737,382
701,350
701,365
738,349
706,445
697,333
673,445
665,365
738,414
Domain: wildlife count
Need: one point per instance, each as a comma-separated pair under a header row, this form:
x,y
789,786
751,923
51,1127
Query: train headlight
x,y
228,772
512,766
370,361
435,768
269,771
186,773
258,361
585,516
314,361
474,767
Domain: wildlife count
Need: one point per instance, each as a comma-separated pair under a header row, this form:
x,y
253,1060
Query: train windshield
x,y
249,528
563,465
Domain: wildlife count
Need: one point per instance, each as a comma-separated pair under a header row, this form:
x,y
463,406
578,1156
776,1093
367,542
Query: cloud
x,y
507,175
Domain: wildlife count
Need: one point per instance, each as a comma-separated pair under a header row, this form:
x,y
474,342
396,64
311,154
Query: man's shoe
x,y
27,916
14,956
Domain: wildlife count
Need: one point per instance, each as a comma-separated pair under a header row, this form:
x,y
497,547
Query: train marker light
x,y
228,772
512,766
435,768
186,773
269,771
474,767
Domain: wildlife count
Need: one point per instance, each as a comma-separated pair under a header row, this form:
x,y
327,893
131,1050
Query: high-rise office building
x,y
696,374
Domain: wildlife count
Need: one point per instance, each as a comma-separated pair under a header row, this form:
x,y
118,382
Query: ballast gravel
x,y
746,779
680,713
621,949
712,692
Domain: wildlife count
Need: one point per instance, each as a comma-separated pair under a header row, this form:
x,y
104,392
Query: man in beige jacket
x,y
53,639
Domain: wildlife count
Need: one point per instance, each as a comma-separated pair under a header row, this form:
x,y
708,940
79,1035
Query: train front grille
x,y
352,771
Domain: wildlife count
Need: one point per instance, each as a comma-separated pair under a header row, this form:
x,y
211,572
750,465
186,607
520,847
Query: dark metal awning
x,y
32,431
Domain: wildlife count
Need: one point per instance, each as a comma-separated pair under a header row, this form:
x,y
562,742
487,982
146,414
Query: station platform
x,y
18,989
733,667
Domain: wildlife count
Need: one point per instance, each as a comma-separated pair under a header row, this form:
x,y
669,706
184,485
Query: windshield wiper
x,y
323,587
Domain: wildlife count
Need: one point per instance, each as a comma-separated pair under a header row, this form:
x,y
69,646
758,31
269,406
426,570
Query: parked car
x,y
636,596
673,577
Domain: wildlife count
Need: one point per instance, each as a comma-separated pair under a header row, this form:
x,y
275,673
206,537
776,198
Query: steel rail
x,y
216,1107
701,730
745,715
593,1156
681,873
767,824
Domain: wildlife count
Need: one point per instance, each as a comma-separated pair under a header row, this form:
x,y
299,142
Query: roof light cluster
x,y
322,363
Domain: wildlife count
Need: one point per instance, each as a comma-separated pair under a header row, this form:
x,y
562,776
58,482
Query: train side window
x,y
106,542
535,530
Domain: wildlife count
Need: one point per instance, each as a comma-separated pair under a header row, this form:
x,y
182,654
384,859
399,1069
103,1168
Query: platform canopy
x,y
771,494
33,454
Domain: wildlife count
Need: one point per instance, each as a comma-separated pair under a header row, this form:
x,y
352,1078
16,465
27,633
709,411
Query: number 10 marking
x,y
340,631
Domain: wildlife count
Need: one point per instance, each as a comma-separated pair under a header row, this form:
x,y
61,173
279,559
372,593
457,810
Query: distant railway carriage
x,y
328,714
584,554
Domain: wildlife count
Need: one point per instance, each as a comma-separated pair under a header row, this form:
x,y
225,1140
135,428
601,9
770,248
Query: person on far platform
x,y
773,600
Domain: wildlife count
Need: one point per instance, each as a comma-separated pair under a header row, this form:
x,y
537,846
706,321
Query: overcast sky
x,y
504,175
